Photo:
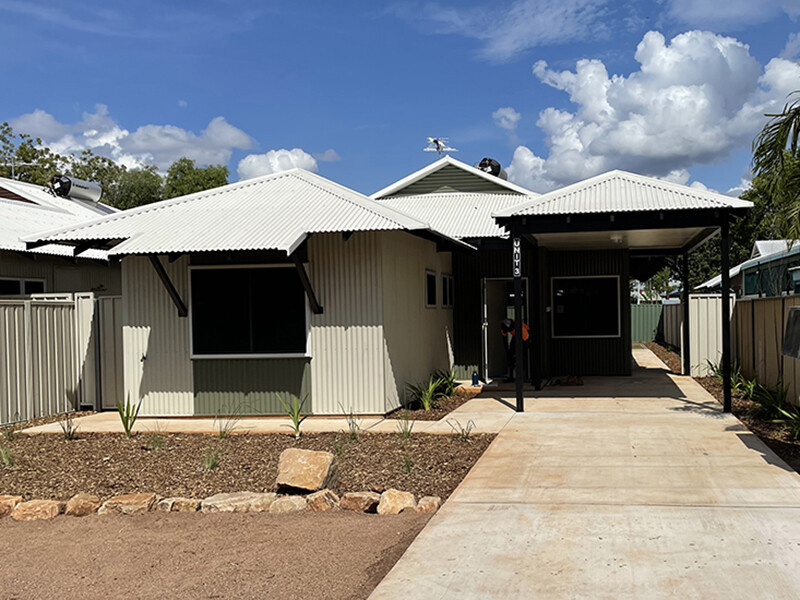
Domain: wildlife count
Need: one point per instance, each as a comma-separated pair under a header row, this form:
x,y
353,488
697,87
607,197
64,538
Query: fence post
x,y
685,341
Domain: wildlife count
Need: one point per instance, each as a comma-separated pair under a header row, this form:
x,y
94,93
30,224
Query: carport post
x,y
687,359
519,348
726,313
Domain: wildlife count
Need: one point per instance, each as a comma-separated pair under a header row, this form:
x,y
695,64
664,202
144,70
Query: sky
x,y
555,90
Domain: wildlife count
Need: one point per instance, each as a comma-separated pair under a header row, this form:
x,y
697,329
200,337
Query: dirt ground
x,y
193,556
443,408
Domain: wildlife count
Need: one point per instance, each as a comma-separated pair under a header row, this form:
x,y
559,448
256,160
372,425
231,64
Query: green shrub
x,y
426,395
294,411
405,425
5,456
408,464
461,432
353,422
211,459
128,415
768,404
68,427
792,419
448,385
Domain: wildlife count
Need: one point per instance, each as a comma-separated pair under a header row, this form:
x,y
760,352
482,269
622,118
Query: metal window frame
x,y
435,288
584,337
446,279
239,356
22,280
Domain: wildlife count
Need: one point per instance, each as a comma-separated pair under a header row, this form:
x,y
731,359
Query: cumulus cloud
x,y
506,118
693,100
330,155
156,144
275,161
730,14
183,103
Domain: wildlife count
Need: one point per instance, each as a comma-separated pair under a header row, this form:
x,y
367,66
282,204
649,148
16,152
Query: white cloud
x,y
330,155
791,50
730,14
506,118
157,144
275,161
526,24
693,100
183,103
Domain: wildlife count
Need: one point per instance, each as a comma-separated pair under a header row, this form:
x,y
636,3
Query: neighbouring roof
x,y
767,247
764,251
620,191
26,209
274,212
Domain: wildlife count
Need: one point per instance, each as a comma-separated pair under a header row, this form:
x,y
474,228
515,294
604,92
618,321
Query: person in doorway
x,y
508,329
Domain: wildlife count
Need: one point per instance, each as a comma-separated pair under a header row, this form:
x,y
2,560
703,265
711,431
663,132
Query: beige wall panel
x,y
60,276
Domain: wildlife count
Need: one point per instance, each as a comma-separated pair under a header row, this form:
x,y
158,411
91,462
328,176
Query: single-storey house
x,y
26,209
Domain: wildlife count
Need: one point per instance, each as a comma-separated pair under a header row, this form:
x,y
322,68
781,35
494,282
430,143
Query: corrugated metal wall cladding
x,y
451,178
347,340
645,321
158,369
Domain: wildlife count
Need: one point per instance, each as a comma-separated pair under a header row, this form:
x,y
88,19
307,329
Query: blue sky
x,y
556,90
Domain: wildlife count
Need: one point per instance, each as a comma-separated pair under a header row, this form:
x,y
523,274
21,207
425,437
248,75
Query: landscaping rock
x,y
394,501
429,504
287,504
322,501
81,505
237,502
128,504
8,503
360,501
33,510
262,502
165,504
307,470
185,504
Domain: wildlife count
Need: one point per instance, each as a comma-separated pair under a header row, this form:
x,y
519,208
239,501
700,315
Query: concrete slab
x,y
623,488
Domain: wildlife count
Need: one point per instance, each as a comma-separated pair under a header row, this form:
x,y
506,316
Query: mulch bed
x,y
443,408
48,466
44,421
774,435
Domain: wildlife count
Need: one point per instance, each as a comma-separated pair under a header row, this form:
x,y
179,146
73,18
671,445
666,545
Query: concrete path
x,y
632,487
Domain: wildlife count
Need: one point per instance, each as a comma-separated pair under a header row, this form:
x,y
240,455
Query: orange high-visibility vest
x,y
525,332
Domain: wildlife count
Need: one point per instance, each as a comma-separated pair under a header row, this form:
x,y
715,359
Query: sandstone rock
x,y
394,501
360,501
82,504
429,504
128,504
165,504
287,504
237,502
185,504
322,501
306,469
34,510
7,504
262,502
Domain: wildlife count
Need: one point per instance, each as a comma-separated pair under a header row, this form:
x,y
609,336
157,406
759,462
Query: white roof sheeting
x,y
763,251
274,212
767,247
620,191
458,214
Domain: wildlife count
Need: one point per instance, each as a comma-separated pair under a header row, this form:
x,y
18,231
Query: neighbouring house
x,y
26,209
773,269
284,285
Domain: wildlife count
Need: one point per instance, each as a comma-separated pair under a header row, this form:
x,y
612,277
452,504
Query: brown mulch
x,y
48,466
443,408
44,421
187,556
667,355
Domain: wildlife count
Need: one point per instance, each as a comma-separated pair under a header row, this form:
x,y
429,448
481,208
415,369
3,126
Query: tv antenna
x,y
439,145
12,162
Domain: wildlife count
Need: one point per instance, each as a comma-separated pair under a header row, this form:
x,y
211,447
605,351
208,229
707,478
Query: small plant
x,y
768,404
747,388
128,415
448,385
68,426
225,423
9,434
211,459
408,464
294,410
461,432
426,394
5,456
792,419
338,445
353,422
405,425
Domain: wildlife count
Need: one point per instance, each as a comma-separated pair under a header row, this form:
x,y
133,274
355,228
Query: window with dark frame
x,y
586,307
430,289
447,291
248,311
19,286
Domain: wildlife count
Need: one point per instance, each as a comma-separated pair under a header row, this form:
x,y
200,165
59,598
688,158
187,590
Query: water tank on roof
x,y
491,166
76,189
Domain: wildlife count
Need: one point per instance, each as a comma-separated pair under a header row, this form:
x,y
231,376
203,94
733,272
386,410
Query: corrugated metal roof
x,y
620,191
764,251
274,212
767,247
40,195
460,215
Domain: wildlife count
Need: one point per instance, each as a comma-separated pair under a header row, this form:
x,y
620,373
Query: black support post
x,y
726,314
519,348
687,359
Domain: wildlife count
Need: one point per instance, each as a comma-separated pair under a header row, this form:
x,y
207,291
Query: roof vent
x,y
491,166
76,189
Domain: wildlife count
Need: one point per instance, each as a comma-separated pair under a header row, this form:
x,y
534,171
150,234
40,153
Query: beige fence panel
x,y
705,331
673,319
109,330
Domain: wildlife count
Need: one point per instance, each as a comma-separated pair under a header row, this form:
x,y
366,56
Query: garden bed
x,y
443,408
48,466
667,355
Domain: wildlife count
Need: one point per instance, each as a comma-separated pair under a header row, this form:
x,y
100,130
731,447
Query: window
x,y
447,291
430,289
247,312
586,307
17,287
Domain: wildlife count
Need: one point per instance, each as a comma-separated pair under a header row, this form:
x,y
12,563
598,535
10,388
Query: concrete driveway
x,y
633,487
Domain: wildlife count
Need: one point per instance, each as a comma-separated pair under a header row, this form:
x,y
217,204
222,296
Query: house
x,y
26,209
773,269
288,284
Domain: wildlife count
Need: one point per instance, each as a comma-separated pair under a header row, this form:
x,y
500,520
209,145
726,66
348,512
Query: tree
x,y
104,171
32,162
183,177
138,187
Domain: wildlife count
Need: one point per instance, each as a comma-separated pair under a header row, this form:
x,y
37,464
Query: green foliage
x,y
461,432
353,422
34,163
88,165
211,459
128,413
5,456
225,421
9,434
405,425
136,187
68,426
338,445
184,177
792,419
294,411
768,404
427,395
408,464
448,385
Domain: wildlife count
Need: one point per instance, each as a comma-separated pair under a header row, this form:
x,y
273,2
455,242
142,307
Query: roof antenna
x,y
12,162
439,144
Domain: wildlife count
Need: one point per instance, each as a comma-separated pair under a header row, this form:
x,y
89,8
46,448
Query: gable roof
x,y
764,251
274,212
491,182
620,191
766,247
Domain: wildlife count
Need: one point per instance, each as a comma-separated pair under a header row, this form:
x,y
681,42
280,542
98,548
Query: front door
x,y
498,304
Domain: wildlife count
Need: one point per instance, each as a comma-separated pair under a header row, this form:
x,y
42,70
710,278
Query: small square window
x,y
10,287
430,289
34,287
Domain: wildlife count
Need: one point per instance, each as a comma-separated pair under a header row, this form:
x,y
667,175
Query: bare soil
x,y
667,355
192,556
48,466
443,408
